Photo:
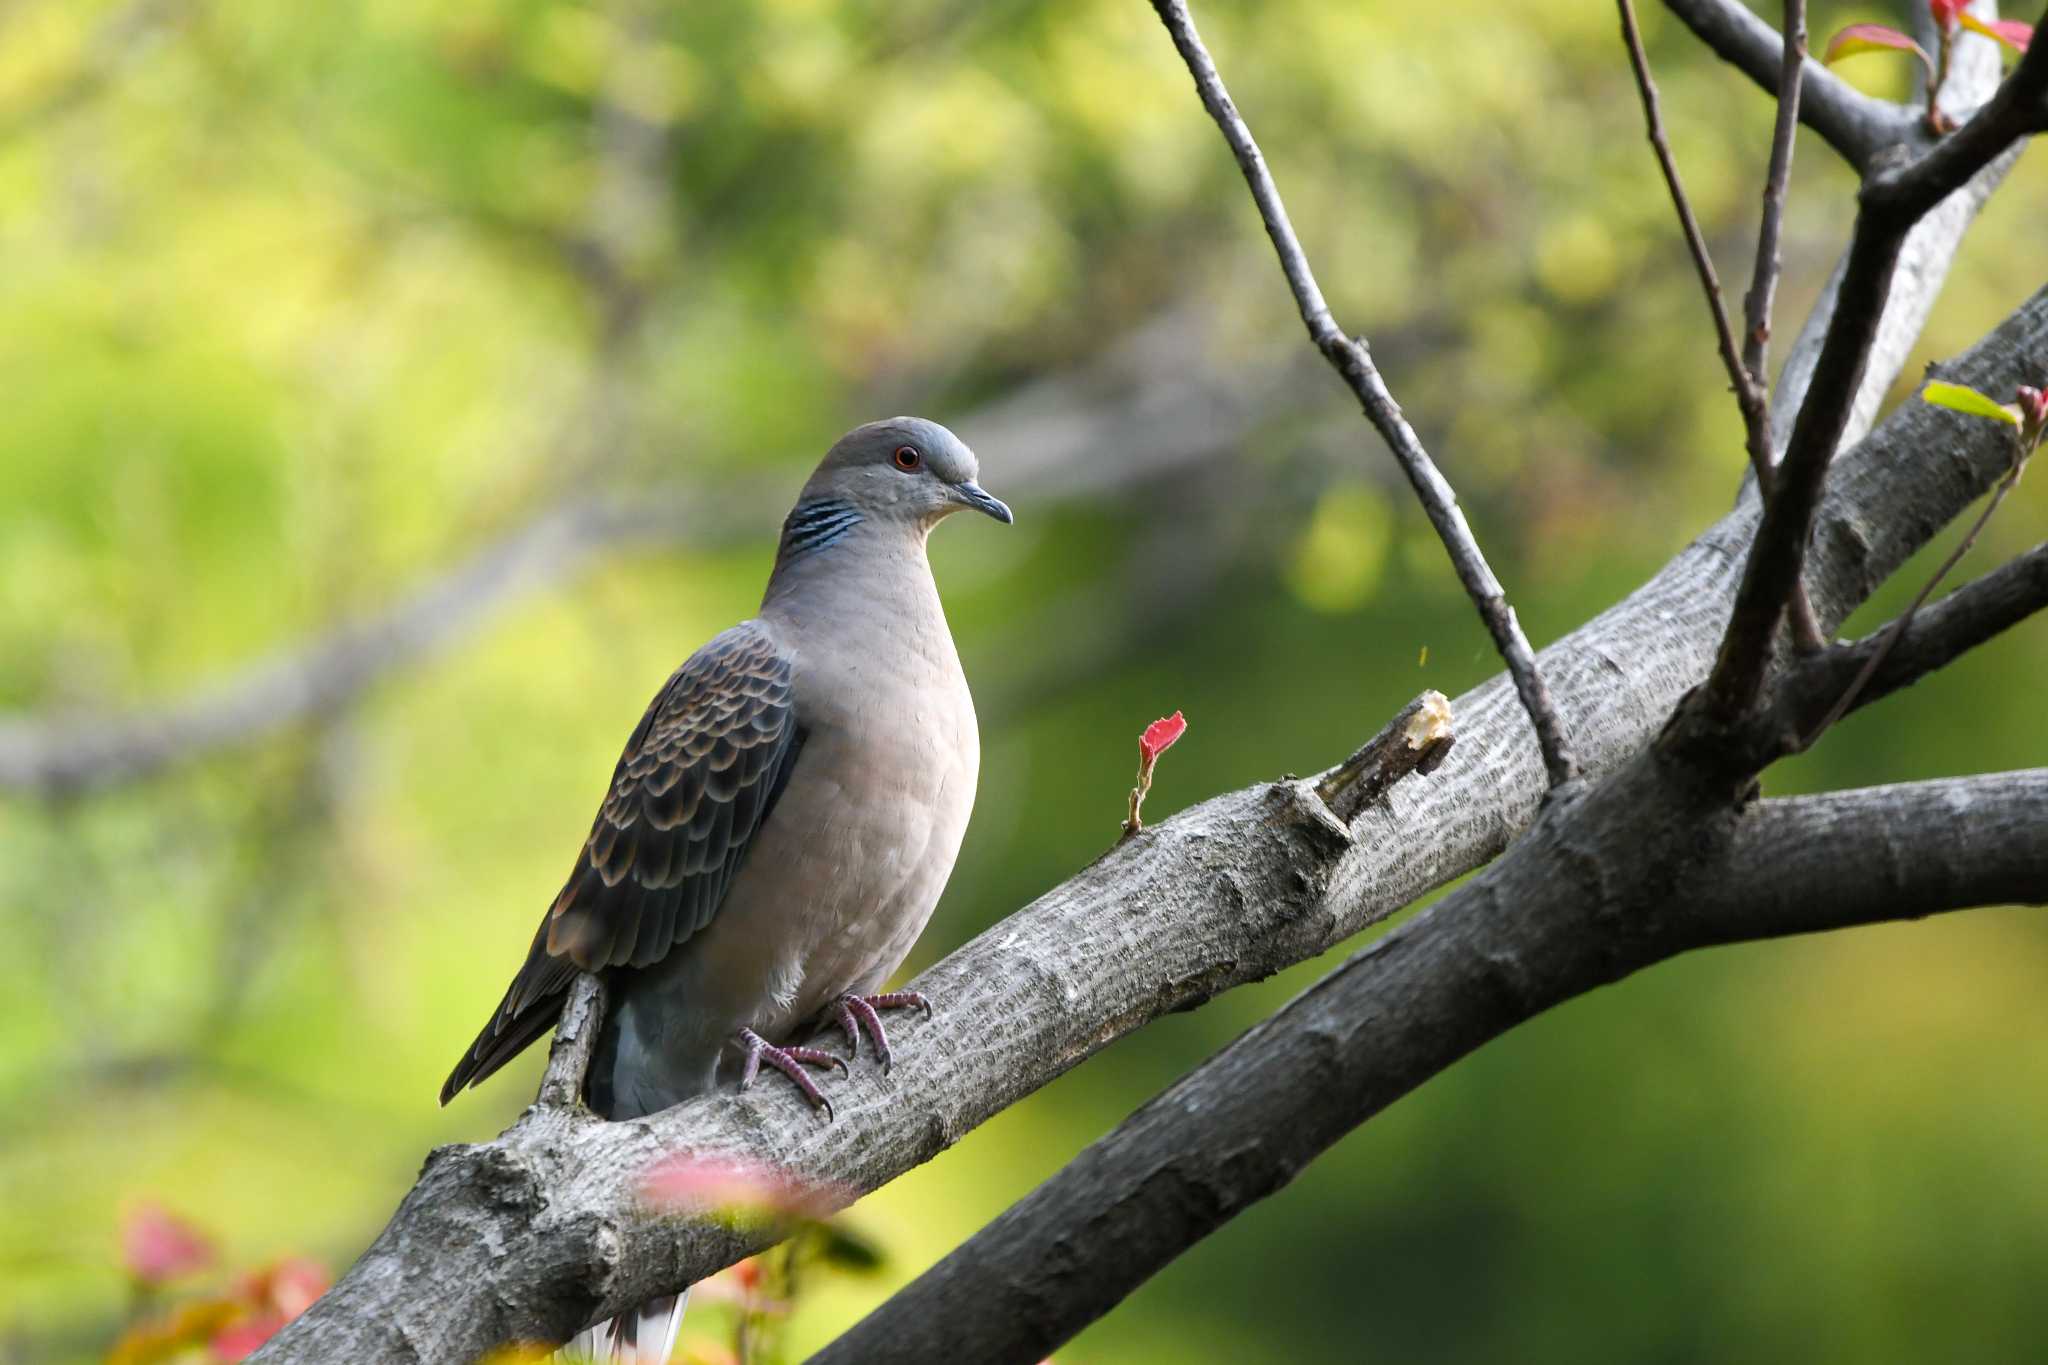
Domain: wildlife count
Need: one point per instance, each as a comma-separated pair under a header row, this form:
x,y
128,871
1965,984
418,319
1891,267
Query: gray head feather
x,y
906,472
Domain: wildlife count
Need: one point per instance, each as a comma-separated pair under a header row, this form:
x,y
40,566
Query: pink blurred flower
x,y
157,1246
689,1183
242,1339
288,1286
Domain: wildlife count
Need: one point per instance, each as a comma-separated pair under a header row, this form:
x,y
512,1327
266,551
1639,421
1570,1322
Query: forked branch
x,y
1892,202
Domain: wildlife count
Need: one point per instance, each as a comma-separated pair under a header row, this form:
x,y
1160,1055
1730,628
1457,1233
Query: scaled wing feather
x,y
698,778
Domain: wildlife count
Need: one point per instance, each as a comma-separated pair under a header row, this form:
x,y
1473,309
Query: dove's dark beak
x,y
981,500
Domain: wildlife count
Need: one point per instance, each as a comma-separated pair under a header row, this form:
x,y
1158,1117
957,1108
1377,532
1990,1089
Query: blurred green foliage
x,y
305,302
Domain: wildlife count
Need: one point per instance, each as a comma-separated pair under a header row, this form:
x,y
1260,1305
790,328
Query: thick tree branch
x,y
1883,853
1605,885
537,1233
1353,361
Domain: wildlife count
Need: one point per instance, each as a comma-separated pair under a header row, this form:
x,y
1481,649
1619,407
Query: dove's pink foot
x,y
863,1012
790,1061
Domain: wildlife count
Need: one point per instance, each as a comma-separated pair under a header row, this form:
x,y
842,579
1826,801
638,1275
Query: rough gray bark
x,y
1610,880
537,1233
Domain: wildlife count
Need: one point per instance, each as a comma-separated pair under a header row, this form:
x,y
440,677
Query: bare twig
x,y
1415,741
1747,380
1353,361
1893,201
1763,286
1747,393
1894,657
1857,126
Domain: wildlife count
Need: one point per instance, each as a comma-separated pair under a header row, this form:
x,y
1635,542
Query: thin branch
x,y
1353,361
1857,126
1537,929
1758,303
1750,395
1892,202
1747,392
1899,627
1818,691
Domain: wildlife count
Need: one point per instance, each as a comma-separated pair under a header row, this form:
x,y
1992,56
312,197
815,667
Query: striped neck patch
x,y
816,524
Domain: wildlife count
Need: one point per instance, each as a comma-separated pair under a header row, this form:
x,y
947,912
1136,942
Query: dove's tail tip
x,y
645,1336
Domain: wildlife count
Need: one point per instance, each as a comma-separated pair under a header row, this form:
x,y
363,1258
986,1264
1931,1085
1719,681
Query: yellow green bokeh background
x,y
300,305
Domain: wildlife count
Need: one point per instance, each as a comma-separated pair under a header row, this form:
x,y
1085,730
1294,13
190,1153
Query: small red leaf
x,y
2011,32
1945,12
1860,38
1159,737
157,1246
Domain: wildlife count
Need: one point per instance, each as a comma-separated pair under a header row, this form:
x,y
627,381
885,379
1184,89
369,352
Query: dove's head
x,y
904,470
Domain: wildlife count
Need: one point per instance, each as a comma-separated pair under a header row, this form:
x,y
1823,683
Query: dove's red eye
x,y
908,459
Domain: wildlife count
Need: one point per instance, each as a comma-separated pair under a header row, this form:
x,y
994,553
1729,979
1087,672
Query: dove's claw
x,y
790,1061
